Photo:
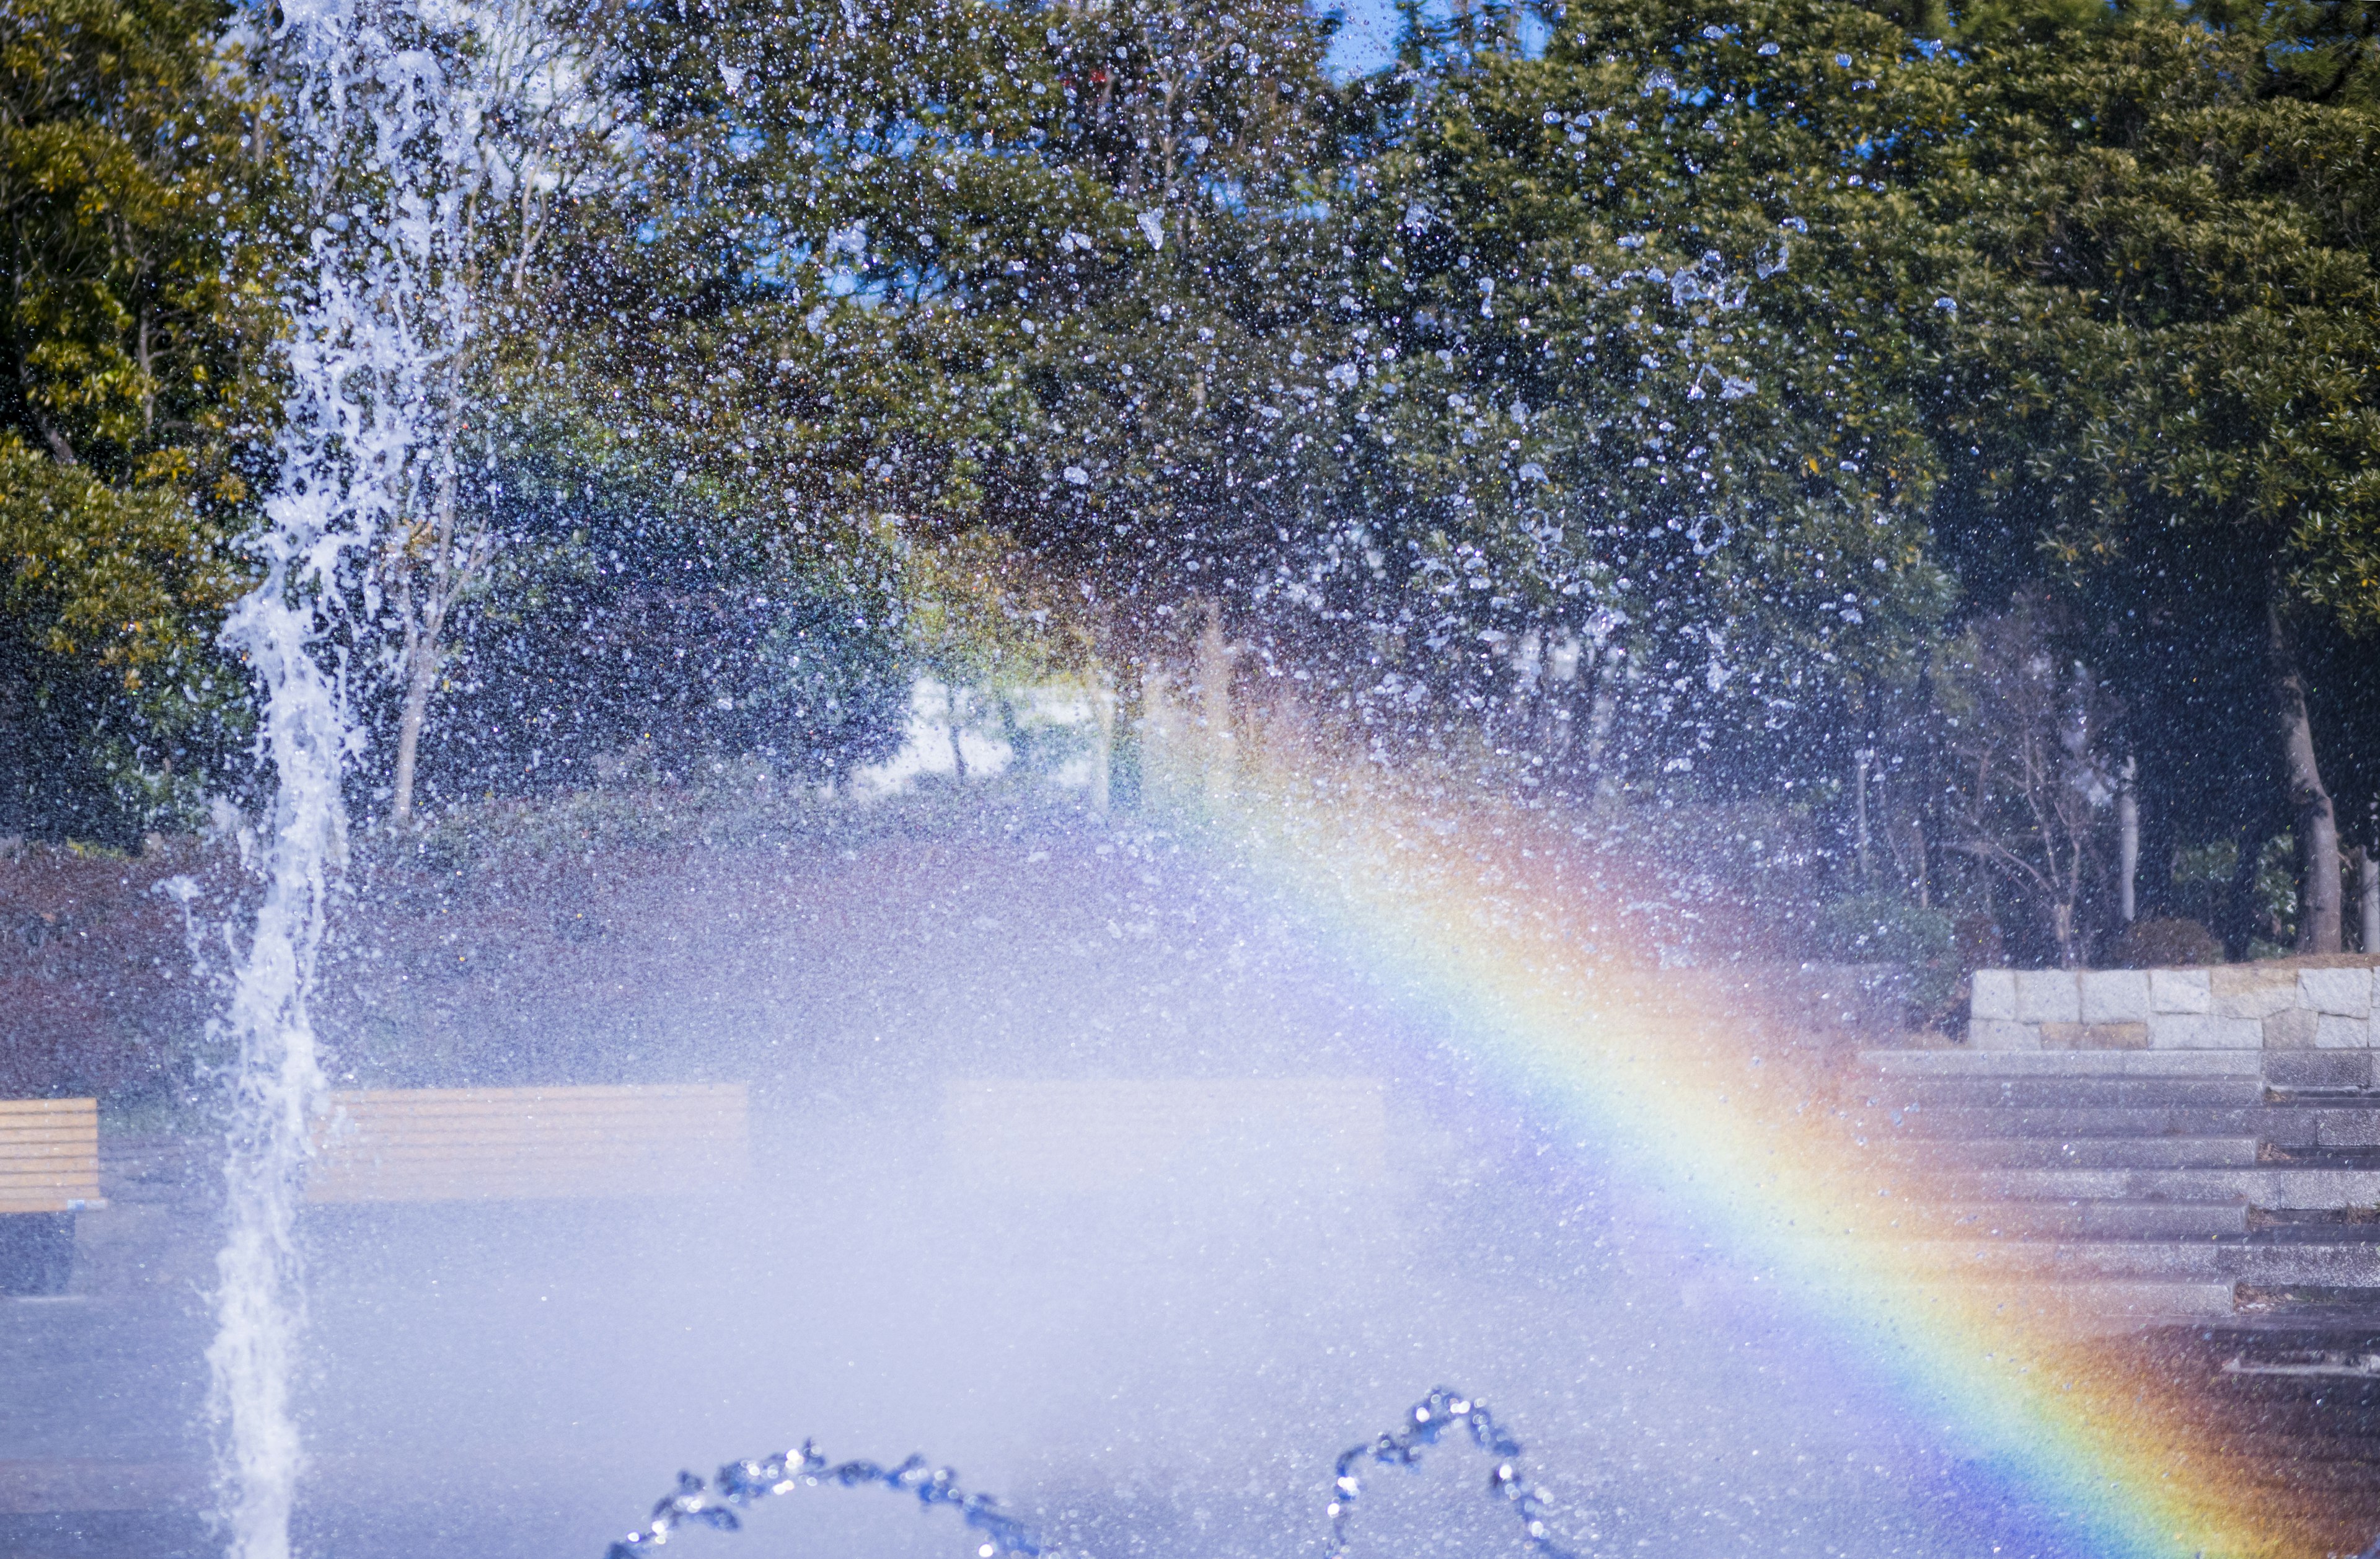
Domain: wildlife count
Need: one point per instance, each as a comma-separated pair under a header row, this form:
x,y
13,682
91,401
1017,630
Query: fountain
x,y
740,1484
1191,1132
383,146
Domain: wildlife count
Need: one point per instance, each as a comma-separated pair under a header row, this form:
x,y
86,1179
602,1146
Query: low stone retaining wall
x,y
2327,1003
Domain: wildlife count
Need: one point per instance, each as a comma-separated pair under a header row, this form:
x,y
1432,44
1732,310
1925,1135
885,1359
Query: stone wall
x,y
2286,1003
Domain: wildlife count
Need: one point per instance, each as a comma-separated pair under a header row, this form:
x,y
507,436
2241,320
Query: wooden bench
x,y
515,1144
49,1172
1094,1134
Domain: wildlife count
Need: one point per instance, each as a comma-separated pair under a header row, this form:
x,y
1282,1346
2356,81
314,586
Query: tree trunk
x,y
950,713
1559,690
420,681
2316,822
1103,741
1602,707
2240,908
1128,736
2370,877
2128,841
1215,658
1859,789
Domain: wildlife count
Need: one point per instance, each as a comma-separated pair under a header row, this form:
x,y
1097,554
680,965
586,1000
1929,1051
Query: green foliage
x,y
132,340
1659,309
954,269
1669,405
1886,928
2170,327
2163,942
1873,928
136,307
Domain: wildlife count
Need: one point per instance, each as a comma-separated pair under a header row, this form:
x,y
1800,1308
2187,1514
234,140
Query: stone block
x,y
2179,991
2331,1032
2318,1068
1997,1034
2192,1031
2340,992
2116,996
2048,996
2095,1036
2255,990
1993,995
2291,1028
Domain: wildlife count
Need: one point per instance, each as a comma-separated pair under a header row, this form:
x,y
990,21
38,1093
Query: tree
x,y
132,358
2031,779
2168,361
994,284
639,620
535,76
1650,312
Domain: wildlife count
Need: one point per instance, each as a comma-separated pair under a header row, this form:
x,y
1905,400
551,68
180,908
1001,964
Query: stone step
x,y
2107,1219
2239,1259
2079,1153
2315,1156
1987,1122
2064,1064
2104,1305
2056,1093
2269,1186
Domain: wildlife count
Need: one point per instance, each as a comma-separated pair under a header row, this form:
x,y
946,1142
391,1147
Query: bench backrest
x,y
1094,1134
49,1155
502,1144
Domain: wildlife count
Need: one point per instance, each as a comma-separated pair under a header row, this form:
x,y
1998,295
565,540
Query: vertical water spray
x,y
383,147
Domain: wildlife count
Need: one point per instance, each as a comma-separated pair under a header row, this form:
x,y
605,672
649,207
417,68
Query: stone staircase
x,y
2150,1186
2215,1213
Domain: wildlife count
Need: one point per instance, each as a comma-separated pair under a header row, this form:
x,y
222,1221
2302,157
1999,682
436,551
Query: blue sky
x,y
1368,39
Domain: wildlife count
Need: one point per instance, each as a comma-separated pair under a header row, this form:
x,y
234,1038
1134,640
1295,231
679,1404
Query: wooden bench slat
x,y
551,1125
614,1141
518,1099
49,1155
560,1120
608,1143
574,1152
496,1188
510,1099
653,1120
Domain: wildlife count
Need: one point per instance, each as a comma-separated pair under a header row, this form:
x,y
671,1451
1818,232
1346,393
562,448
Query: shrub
x,y
2163,944
1883,929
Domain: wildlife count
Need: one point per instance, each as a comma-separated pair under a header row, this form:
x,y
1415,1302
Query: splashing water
x,y
697,1503
1426,1421
376,316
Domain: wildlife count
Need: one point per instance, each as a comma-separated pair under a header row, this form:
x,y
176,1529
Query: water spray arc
x,y
386,143
739,1484
695,1502
1426,1422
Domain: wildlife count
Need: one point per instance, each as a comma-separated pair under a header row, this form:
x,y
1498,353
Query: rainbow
x,y
1501,912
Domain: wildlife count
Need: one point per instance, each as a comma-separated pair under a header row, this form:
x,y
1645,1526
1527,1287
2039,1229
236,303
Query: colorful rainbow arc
x,y
1500,912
